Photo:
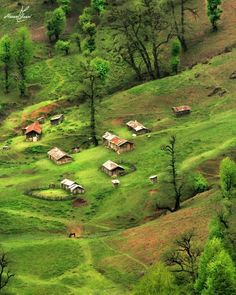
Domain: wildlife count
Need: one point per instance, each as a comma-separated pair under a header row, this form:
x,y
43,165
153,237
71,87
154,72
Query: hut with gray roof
x,y
58,156
112,169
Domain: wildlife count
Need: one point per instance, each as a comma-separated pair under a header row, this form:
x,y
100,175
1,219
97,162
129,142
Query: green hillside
x,y
120,232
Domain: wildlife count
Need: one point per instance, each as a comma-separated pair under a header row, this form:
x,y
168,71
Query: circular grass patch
x,y
50,194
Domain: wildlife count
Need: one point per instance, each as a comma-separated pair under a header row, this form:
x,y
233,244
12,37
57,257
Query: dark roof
x,y
36,127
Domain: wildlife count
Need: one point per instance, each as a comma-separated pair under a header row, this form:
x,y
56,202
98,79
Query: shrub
x,y
200,183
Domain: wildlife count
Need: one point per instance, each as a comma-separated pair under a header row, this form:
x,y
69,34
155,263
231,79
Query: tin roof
x,y
67,182
135,125
109,165
58,154
56,117
75,186
181,109
108,136
118,141
36,127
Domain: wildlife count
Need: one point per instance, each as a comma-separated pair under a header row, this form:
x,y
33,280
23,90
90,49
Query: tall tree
x,y
140,32
55,23
5,273
177,185
227,176
175,55
94,74
178,10
214,12
23,51
6,59
65,5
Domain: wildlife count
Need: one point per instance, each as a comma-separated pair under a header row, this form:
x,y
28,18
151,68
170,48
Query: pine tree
x,y
6,58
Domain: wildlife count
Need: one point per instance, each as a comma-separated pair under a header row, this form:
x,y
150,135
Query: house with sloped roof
x,y
33,132
58,156
112,169
57,119
181,110
116,143
72,186
137,128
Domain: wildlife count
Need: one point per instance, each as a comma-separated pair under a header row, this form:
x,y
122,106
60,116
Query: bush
x,y
37,149
200,183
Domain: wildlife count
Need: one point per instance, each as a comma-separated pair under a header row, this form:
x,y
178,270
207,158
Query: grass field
x,y
119,231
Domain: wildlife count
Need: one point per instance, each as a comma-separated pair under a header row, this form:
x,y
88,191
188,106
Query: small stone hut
x,y
181,110
59,157
56,120
112,169
72,186
137,128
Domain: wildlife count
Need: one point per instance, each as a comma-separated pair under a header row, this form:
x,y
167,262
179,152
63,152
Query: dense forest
x,y
118,147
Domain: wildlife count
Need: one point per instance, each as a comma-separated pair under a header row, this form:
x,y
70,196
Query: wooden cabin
x,y
56,120
153,179
181,110
112,169
115,183
137,128
59,157
33,132
117,144
72,186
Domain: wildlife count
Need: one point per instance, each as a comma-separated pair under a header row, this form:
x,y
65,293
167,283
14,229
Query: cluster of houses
x,y
33,132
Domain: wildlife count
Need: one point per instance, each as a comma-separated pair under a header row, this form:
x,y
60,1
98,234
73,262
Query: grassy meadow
x,y
120,233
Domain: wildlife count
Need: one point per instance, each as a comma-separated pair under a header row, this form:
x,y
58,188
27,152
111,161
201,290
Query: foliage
x,y
63,46
65,5
98,5
36,149
55,23
23,51
175,55
5,274
214,12
157,281
200,183
227,176
6,58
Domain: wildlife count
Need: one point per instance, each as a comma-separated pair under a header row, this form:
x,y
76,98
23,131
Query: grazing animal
x,y
72,235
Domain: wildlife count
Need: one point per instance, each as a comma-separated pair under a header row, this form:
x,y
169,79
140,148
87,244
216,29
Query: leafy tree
x,y
227,176
63,46
214,12
98,5
94,74
139,33
200,183
55,23
6,58
175,55
158,281
5,274
221,276
77,38
170,150
65,5
23,51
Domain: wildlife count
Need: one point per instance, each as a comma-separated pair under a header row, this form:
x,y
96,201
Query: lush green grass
x,y
109,259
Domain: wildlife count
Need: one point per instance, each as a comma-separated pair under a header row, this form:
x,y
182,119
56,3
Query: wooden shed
x,y
55,120
58,156
137,128
111,168
117,144
72,186
181,110
33,132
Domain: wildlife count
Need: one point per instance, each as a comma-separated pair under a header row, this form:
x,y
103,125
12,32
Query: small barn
x,y
111,168
58,156
181,110
56,120
117,144
137,128
72,186
33,132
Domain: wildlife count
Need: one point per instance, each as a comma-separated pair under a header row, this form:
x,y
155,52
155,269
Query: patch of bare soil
x,y
79,202
75,230
118,121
